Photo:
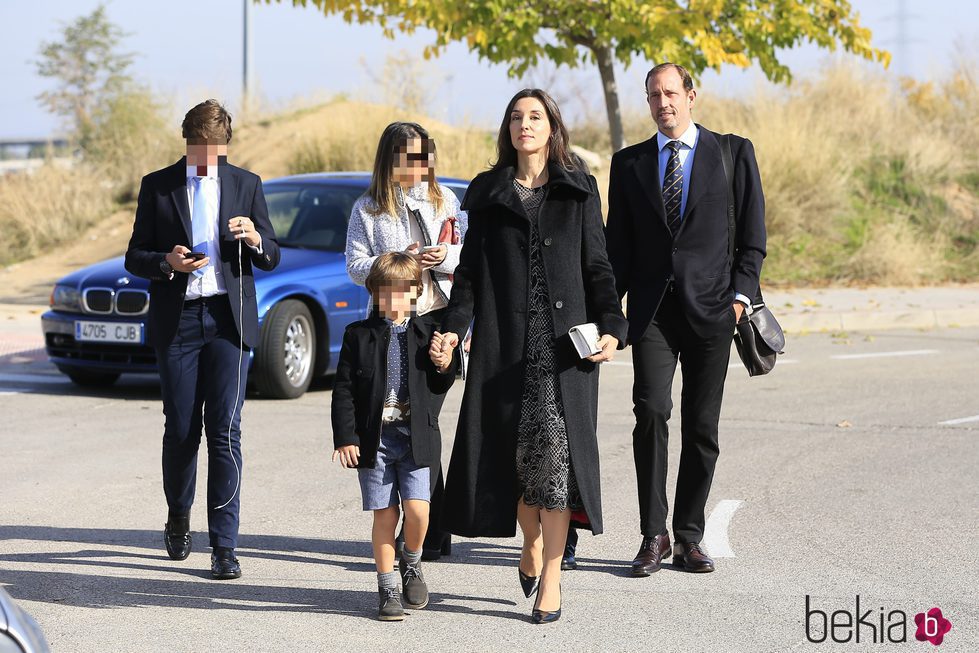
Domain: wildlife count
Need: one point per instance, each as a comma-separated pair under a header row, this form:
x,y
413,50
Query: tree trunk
x,y
603,55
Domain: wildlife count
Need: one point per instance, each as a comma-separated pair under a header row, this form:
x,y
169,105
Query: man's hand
x,y
244,229
738,311
180,262
608,344
349,456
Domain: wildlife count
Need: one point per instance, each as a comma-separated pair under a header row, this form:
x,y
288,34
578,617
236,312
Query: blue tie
x,y
673,187
201,219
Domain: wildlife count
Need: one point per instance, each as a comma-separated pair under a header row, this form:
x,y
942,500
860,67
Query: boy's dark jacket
x,y
359,389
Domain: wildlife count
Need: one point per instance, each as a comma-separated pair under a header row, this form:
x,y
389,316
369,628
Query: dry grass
x,y
343,135
864,182
49,207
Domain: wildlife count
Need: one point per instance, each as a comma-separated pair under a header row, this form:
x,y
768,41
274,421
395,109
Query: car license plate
x,y
124,332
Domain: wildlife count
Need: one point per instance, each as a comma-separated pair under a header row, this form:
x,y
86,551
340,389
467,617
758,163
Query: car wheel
x,y
284,360
89,379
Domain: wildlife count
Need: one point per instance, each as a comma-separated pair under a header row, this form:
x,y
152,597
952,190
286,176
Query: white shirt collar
x,y
688,138
212,171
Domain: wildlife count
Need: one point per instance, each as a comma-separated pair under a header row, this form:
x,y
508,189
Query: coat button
x,y
360,372
547,241
675,250
558,304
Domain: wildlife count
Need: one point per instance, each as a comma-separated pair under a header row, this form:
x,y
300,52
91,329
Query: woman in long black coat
x,y
533,265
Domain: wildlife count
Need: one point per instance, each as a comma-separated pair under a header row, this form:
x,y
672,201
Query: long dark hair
x,y
381,190
559,146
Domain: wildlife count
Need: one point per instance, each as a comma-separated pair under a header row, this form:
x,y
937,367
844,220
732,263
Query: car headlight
x,y
66,298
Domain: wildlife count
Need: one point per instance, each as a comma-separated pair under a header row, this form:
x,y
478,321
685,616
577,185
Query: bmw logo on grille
x,y
122,281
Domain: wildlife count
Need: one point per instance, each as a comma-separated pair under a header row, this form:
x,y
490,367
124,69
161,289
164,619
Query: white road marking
x,y
33,378
960,420
715,532
883,354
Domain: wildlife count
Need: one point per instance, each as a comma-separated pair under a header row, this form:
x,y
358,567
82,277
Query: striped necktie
x,y
673,187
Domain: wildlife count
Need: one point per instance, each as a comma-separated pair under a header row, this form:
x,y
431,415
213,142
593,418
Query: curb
x,y
878,320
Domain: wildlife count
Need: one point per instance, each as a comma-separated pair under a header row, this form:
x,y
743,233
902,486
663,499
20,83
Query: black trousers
x,y
199,377
703,367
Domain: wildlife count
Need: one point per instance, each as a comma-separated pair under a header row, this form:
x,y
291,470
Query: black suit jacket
x,y
360,386
645,256
163,220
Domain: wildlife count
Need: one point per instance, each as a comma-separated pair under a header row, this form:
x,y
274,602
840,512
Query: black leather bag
x,y
759,339
758,336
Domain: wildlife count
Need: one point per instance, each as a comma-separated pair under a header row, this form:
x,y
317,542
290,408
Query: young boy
x,y
386,400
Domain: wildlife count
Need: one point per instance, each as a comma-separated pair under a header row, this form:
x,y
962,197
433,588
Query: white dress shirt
x,y
212,281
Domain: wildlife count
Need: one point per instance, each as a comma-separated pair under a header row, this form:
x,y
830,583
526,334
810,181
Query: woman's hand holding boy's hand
x,y
440,351
349,456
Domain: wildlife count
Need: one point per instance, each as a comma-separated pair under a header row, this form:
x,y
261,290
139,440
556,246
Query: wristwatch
x,y
166,268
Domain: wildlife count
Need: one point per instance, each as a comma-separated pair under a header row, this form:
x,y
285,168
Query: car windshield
x,y
311,216
314,216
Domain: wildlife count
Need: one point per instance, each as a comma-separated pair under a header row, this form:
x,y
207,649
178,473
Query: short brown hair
x,y
393,266
207,122
684,75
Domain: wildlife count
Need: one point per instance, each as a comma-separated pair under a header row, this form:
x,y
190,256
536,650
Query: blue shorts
x,y
395,473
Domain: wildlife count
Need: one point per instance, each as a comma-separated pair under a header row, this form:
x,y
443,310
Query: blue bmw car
x,y
95,330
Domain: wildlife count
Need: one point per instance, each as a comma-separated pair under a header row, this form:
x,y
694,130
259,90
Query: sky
x,y
187,50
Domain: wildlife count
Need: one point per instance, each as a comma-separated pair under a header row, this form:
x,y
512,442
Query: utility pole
x,y
246,56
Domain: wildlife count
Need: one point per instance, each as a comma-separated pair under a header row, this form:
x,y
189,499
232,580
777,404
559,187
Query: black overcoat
x,y
360,385
492,288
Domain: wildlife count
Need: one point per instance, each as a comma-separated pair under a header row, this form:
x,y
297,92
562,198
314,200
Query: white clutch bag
x,y
584,337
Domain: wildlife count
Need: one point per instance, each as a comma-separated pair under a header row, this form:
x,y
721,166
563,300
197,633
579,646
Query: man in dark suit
x,y
668,243
191,220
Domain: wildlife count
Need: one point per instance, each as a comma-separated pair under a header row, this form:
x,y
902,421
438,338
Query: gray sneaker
x,y
413,585
389,606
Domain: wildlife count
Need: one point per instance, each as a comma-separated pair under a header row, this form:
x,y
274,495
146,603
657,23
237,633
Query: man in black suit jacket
x,y
668,242
191,221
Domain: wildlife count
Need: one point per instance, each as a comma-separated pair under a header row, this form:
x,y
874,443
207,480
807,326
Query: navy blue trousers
x,y
199,380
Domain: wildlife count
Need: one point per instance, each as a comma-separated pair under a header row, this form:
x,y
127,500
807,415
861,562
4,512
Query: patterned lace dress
x,y
543,462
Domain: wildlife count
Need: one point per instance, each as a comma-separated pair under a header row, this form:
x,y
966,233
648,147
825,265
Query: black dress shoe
x,y
568,560
651,554
692,558
529,584
224,564
437,545
177,538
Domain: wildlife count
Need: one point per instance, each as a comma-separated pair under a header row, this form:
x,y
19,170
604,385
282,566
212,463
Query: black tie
x,y
673,187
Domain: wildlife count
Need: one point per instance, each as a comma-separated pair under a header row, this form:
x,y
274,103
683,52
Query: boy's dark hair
x,y
207,122
393,266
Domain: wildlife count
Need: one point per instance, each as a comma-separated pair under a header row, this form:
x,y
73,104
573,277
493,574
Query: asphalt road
x,y
850,470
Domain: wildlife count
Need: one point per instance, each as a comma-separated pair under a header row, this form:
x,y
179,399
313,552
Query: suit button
x,y
675,250
360,372
558,304
547,242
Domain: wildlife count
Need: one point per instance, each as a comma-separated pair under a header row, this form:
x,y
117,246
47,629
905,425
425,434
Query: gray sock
x,y
411,557
388,579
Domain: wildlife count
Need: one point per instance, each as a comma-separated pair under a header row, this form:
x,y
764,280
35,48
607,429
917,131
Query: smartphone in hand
x,y
197,256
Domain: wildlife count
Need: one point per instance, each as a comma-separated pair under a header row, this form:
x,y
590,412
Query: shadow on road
x,y
110,583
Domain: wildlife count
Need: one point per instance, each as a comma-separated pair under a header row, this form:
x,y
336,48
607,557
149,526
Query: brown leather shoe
x,y
691,557
651,553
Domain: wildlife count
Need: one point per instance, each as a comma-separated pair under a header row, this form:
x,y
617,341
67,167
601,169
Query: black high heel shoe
x,y
529,584
539,616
